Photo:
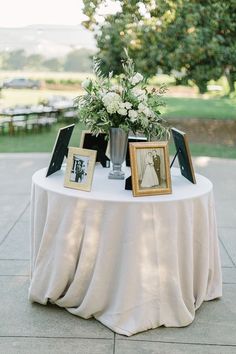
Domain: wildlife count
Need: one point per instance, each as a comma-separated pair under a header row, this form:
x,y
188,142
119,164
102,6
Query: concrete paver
x,y
229,275
226,260
11,206
228,238
21,318
17,243
139,347
226,213
35,329
14,267
56,345
214,324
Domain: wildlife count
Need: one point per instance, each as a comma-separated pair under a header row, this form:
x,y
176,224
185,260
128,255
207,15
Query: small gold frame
x,y
80,168
150,168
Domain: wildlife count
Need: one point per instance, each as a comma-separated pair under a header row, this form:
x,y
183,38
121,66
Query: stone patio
x,y
27,328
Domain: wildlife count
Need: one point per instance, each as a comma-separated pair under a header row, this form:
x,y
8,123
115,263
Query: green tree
x,y
16,60
78,60
34,62
3,60
203,46
53,64
195,38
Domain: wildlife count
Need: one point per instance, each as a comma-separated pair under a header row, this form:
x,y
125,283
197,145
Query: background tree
x,y
53,64
16,60
79,60
33,62
195,38
203,45
3,60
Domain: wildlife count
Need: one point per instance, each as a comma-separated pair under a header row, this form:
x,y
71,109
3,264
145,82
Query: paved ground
x,y
27,328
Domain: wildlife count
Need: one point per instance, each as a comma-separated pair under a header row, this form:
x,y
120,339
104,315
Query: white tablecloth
x,y
133,263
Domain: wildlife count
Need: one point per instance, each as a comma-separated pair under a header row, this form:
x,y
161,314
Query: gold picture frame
x,y
80,168
150,168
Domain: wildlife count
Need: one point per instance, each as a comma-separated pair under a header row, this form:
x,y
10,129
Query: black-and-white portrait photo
x,y
79,169
151,168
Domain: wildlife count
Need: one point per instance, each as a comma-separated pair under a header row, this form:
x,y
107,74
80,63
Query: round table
x,y
133,263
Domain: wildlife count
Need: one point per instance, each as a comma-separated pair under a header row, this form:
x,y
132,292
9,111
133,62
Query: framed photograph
x,y
80,168
60,149
183,153
150,168
98,143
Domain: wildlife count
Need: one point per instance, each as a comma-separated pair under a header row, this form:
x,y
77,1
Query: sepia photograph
x,y
80,168
150,168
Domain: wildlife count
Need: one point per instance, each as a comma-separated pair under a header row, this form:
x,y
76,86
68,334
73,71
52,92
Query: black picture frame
x,y
184,155
60,149
96,142
133,139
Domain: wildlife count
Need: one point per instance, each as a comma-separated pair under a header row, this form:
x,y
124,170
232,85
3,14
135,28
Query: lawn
x,y
36,142
44,142
211,150
182,108
212,108
217,108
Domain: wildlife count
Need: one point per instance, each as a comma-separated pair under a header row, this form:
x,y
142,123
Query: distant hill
x,y
48,40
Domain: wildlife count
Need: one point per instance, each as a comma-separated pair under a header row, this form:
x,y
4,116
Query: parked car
x,y
21,83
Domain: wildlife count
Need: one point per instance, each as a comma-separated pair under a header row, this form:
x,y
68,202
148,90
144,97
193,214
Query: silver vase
x,y
118,148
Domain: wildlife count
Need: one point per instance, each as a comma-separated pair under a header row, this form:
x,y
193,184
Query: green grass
x,y
218,108
211,150
36,142
44,142
212,108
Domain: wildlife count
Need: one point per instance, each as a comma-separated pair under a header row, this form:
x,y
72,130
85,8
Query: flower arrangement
x,y
123,102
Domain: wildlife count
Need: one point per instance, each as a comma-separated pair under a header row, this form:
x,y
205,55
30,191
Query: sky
x,y
19,13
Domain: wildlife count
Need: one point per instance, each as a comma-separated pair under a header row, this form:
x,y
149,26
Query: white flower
x,y
141,107
136,79
86,83
111,101
102,92
128,105
117,89
133,115
145,110
140,94
152,114
122,111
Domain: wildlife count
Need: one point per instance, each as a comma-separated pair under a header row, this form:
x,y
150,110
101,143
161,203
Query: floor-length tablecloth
x,y
132,263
